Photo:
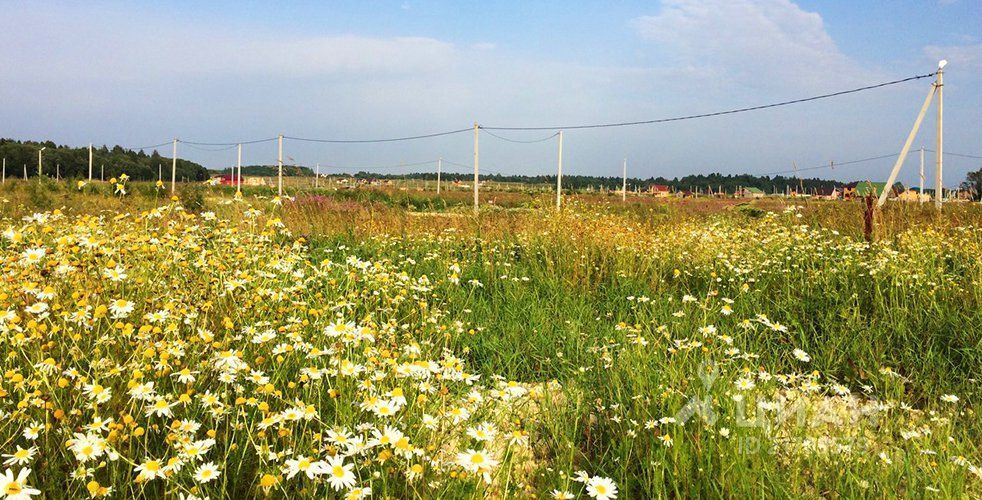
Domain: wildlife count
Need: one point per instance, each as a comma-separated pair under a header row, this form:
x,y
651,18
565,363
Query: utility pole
x,y
439,167
476,167
559,174
624,185
238,164
939,85
90,162
935,89
173,169
279,162
920,193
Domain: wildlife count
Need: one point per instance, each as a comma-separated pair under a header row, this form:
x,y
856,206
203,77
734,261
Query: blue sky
x,y
141,73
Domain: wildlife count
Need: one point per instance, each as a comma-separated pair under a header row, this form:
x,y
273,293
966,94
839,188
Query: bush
x,y
192,198
39,192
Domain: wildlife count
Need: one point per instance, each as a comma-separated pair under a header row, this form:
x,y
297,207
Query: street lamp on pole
x,y
39,161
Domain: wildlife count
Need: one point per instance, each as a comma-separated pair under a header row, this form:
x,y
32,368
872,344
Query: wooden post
x,y
439,167
57,171
317,175
939,85
920,194
173,170
25,171
4,179
624,184
90,162
559,174
102,172
238,164
39,162
476,167
160,173
906,148
279,162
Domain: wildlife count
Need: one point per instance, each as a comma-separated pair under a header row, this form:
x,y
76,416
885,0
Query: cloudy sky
x,y
141,73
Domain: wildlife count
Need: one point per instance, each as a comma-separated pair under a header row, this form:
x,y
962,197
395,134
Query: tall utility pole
x,y
935,90
238,164
920,193
559,174
939,85
173,169
439,167
90,162
279,162
624,185
476,167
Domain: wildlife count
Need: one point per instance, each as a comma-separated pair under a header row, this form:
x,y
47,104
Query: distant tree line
x,y
74,162
729,183
267,171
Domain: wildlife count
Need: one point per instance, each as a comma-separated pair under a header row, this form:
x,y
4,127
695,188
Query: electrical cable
x,y
364,141
719,113
492,134
832,164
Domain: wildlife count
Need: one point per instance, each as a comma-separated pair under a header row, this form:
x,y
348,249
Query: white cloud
x,y
749,40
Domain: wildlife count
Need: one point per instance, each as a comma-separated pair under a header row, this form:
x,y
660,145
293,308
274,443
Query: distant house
x,y
659,190
225,179
831,193
861,189
913,195
750,192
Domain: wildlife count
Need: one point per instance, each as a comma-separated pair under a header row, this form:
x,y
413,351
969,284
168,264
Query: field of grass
x,y
342,343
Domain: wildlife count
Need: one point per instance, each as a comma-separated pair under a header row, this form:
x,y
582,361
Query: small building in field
x,y
861,189
749,192
659,190
912,195
224,179
831,193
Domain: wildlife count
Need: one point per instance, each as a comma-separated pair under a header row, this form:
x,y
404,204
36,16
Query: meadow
x,y
392,344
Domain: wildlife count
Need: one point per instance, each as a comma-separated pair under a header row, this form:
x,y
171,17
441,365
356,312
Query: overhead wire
x,y
718,113
833,164
256,141
392,139
492,134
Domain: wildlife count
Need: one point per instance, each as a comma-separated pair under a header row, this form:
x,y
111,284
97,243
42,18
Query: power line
x,y
149,147
199,148
492,134
384,167
719,113
833,164
257,141
394,139
962,155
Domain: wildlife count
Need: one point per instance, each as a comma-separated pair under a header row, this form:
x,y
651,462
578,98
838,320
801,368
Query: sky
x,y
141,73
